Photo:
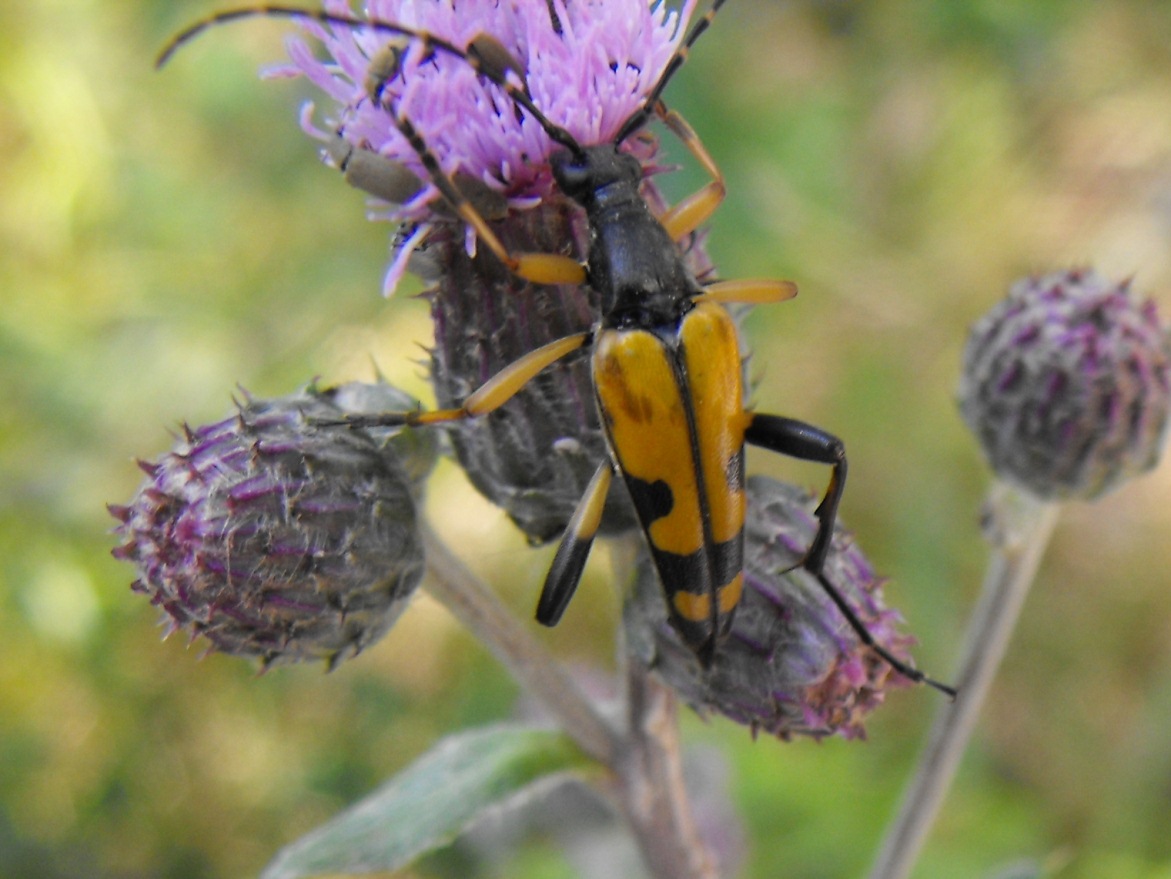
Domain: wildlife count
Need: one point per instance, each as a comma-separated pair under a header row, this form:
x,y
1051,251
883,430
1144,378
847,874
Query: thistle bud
x,y
534,456
276,537
1067,385
791,664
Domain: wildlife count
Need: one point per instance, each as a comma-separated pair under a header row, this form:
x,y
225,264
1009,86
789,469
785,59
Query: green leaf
x,y
431,802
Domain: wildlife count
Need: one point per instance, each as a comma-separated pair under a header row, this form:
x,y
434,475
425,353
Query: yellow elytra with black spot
x,y
666,362
672,409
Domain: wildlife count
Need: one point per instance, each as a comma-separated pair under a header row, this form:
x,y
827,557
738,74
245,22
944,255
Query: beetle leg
x,y
693,211
755,291
540,268
806,443
569,562
489,397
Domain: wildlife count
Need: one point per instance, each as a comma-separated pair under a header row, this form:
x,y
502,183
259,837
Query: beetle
x,y
664,352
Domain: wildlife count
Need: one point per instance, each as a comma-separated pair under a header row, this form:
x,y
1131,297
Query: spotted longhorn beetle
x,y
665,356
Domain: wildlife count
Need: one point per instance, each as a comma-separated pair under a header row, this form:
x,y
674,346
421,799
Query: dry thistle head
x,y
791,664
1067,385
278,538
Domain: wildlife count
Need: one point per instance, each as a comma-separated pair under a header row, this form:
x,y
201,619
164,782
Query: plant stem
x,y
652,794
471,602
646,784
647,787
1022,527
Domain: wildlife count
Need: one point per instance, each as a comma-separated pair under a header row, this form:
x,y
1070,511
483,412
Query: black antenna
x,y
640,117
485,54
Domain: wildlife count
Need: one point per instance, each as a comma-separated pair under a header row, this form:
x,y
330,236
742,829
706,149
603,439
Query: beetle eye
x,y
571,173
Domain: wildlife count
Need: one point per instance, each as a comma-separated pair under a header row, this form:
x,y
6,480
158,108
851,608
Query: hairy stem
x,y
471,602
646,780
654,799
649,783
1019,533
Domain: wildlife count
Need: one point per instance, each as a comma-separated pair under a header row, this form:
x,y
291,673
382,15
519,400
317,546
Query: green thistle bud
x,y
791,664
1067,385
277,538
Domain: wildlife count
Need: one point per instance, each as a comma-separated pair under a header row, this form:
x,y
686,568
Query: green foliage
x,y
164,237
428,804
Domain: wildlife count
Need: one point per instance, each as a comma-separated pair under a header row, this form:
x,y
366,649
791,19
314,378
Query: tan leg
x,y
693,211
540,268
489,397
503,386
755,291
489,58
565,572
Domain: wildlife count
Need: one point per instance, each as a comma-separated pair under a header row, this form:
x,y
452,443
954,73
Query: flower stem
x,y
648,787
471,602
652,794
1021,526
646,780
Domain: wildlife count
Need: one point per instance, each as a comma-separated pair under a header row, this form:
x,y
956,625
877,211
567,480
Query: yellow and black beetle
x,y
665,357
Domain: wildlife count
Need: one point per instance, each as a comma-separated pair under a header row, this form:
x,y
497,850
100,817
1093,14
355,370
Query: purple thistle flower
x,y
588,71
588,66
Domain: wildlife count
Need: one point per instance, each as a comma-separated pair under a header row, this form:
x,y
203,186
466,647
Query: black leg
x,y
569,562
807,443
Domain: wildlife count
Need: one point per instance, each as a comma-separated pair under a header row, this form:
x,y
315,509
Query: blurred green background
x,y
164,237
